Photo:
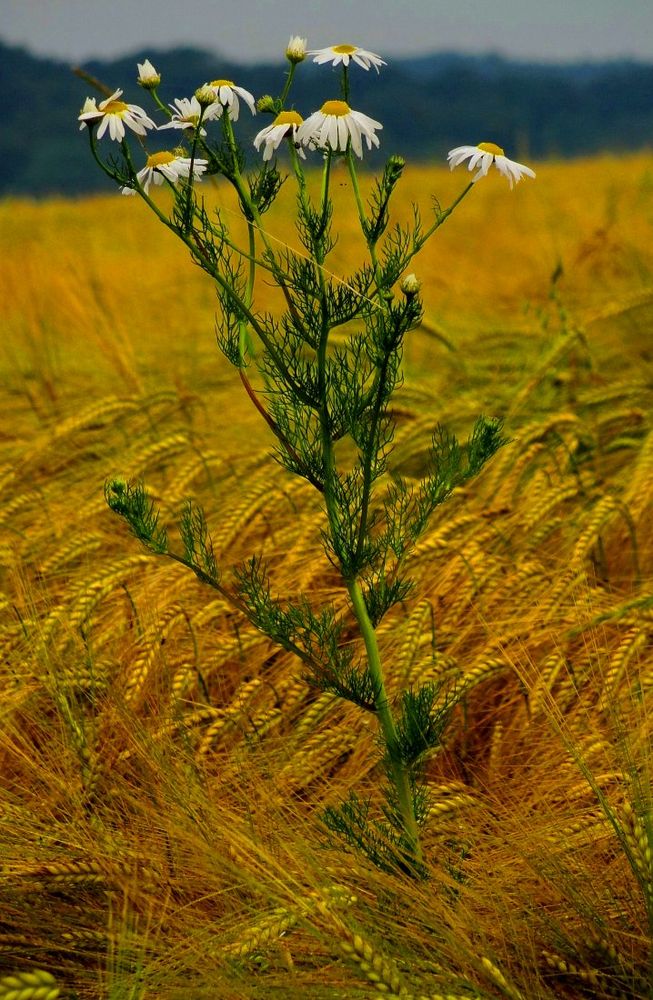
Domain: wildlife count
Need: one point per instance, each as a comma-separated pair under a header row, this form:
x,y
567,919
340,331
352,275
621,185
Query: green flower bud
x,y
410,286
205,96
267,103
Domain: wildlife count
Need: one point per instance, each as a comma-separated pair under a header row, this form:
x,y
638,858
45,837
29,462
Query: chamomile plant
x,y
311,392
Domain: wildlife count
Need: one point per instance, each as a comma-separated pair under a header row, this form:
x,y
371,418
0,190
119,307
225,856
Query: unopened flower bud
x,y
117,485
394,168
90,108
148,77
116,492
267,103
205,95
410,286
296,49
90,105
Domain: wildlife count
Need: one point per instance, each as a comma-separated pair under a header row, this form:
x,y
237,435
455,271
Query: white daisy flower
x,y
344,53
115,114
334,124
186,114
284,125
483,156
296,49
148,76
167,166
226,93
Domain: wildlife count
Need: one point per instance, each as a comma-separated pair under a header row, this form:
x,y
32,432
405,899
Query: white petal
x,y
346,127
459,155
247,97
355,132
366,123
322,132
309,130
332,131
168,170
262,136
361,60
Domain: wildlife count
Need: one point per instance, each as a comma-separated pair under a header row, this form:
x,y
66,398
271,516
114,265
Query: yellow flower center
x,y
157,159
491,147
288,118
344,50
337,108
115,108
221,83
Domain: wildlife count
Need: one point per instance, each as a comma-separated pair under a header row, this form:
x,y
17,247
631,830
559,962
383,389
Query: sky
x,y
248,31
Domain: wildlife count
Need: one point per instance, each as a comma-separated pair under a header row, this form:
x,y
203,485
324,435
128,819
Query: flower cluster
x,y
335,128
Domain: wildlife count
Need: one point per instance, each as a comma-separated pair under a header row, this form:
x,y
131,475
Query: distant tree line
x,y
427,105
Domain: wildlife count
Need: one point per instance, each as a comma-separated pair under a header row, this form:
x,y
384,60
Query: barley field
x,y
165,767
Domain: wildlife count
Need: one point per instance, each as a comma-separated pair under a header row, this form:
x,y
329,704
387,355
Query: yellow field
x,y
164,767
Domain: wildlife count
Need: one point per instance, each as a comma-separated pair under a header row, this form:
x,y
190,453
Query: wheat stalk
x,y
36,985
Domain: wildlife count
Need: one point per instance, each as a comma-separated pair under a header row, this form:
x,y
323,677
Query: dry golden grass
x,y
164,767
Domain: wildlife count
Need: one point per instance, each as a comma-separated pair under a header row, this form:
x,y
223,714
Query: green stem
x,y
300,176
399,773
244,340
442,217
371,245
191,178
196,250
274,427
324,190
328,456
351,166
107,170
345,83
159,103
237,602
289,79
233,149
372,449
236,179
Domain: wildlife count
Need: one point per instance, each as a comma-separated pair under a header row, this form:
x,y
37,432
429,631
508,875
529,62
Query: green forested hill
x,y
426,105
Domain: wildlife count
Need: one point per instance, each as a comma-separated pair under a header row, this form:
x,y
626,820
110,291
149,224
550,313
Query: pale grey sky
x,y
252,30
